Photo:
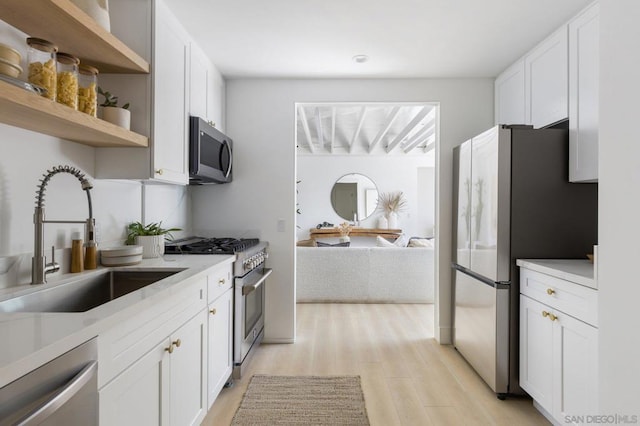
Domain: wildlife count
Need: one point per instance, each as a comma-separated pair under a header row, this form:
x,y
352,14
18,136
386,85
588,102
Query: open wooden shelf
x,y
27,110
73,31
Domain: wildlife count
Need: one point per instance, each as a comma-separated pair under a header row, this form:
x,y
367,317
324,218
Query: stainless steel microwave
x,y
210,154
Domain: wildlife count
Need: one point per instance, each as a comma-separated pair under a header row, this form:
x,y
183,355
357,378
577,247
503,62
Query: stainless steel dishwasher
x,y
63,391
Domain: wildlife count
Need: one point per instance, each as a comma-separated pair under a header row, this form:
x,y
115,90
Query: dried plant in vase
x,y
392,203
344,229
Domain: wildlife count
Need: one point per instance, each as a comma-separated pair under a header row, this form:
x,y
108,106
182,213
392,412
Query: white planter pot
x,y
118,116
383,223
152,245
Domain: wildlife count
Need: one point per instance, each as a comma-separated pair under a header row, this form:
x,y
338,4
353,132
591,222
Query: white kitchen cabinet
x,y
159,101
188,371
584,57
546,81
165,386
220,340
510,95
206,89
558,345
536,356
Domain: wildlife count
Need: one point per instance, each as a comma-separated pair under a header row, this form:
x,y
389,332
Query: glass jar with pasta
x,y
88,90
41,57
67,92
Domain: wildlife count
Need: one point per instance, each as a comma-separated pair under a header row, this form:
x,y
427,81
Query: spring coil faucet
x,y
39,266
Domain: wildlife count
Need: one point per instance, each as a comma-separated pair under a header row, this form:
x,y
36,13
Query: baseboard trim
x,y
444,335
278,340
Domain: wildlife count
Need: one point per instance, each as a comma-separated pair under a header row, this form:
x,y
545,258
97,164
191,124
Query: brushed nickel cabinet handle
x,y
213,311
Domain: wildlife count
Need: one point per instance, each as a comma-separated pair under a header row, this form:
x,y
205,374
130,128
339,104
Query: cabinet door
x,y
510,95
199,82
536,352
216,99
220,344
170,118
546,74
140,395
584,57
188,372
575,358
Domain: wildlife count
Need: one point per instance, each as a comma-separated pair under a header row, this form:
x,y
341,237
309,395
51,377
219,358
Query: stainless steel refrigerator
x,y
512,199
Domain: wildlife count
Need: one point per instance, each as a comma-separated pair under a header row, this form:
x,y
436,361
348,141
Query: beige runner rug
x,y
302,400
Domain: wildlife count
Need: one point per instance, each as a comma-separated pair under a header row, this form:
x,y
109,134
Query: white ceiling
x,y
403,38
366,128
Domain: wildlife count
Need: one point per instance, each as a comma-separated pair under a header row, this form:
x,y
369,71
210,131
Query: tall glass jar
x,y
88,90
41,57
67,93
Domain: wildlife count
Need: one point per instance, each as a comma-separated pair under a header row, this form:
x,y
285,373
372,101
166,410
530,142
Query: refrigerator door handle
x,y
481,278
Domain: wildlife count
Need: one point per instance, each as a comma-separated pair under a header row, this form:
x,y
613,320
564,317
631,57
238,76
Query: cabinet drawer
x,y
219,280
125,343
574,299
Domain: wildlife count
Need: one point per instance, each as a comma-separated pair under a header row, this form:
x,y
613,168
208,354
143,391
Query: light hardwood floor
x,y
407,377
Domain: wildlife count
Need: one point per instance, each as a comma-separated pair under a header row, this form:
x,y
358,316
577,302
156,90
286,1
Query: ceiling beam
x,y
363,114
409,127
319,128
391,117
305,127
430,131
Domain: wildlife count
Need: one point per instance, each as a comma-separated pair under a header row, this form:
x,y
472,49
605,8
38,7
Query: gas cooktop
x,y
201,245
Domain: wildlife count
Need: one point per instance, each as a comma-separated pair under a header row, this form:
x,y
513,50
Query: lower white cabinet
x,y
220,340
558,355
166,386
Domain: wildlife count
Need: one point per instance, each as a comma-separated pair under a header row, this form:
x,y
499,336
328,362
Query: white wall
x,y
619,208
25,157
318,173
260,120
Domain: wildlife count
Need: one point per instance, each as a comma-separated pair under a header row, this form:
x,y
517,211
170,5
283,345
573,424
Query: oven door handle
x,y
248,288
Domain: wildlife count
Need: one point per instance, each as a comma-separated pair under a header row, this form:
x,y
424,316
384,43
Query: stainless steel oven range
x,y
250,276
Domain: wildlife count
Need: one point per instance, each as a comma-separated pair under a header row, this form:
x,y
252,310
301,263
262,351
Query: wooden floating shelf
x,y
73,31
27,110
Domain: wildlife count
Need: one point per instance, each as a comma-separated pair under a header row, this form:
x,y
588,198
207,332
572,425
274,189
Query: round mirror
x,y
354,197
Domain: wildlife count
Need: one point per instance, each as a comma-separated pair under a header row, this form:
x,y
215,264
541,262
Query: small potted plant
x,y
111,112
151,237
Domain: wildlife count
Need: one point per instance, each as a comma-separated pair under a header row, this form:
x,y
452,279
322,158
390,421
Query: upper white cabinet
x,y
584,58
182,81
206,89
510,95
546,85
534,90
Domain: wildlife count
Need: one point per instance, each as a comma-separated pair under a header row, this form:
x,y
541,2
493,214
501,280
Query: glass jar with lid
x,y
67,92
41,57
88,90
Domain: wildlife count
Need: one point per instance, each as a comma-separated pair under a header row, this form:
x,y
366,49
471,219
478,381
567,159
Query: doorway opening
x,y
351,157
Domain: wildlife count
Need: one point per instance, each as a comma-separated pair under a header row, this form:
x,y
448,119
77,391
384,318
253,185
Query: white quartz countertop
x,y
32,339
575,270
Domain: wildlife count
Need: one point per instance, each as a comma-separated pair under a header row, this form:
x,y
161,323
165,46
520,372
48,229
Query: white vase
x,y
344,239
383,223
97,9
392,218
152,245
118,116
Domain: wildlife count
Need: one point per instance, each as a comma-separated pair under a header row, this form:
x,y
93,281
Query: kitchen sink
x,y
86,293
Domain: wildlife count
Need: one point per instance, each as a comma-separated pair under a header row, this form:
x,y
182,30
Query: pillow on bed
x,y
401,241
421,242
321,244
